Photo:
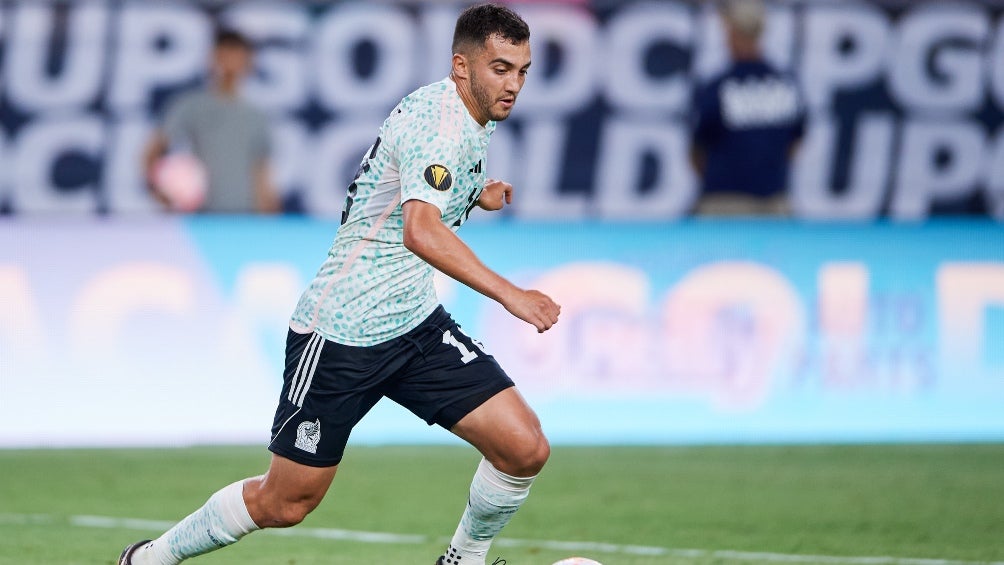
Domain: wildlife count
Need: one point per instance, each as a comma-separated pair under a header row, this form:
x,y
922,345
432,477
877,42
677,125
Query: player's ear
x,y
460,68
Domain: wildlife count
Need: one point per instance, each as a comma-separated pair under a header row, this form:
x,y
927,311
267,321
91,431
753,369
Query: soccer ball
x,y
577,561
182,179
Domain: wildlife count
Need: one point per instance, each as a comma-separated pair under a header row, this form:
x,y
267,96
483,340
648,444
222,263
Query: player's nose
x,y
513,84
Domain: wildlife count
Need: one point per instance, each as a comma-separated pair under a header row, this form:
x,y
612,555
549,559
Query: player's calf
x,y
494,498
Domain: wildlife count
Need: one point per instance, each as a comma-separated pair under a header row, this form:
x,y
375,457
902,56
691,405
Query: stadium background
x,y
877,314
874,317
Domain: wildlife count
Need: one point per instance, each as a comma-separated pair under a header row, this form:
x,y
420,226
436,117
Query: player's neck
x,y
745,50
226,87
464,91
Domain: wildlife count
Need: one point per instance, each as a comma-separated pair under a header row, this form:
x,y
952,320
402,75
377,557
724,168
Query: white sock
x,y
495,497
221,521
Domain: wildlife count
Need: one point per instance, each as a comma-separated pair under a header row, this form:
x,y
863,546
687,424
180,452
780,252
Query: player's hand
x,y
495,195
535,308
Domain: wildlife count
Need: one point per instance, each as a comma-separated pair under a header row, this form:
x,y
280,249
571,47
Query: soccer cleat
x,y
127,553
448,559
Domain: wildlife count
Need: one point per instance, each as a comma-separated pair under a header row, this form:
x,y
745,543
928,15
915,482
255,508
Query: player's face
x,y
231,62
497,75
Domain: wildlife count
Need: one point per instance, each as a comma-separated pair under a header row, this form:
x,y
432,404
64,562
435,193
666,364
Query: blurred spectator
x,y
228,135
749,121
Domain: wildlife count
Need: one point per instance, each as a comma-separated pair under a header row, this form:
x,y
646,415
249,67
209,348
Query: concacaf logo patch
x,y
438,177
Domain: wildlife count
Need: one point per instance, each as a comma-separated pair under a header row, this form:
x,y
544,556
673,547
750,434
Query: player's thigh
x,y
507,432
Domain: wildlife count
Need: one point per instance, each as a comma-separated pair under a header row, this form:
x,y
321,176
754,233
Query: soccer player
x,y
370,326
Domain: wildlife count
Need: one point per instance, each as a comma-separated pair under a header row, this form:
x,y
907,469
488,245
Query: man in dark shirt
x,y
749,121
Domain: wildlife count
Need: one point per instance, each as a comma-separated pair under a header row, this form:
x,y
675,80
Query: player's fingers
x,y
548,317
552,310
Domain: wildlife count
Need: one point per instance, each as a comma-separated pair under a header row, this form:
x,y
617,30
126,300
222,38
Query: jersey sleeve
x,y
429,161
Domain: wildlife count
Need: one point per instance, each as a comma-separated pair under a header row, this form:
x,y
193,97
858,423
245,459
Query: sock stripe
x,y
503,480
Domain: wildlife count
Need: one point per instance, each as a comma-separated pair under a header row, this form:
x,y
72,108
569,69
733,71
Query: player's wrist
x,y
508,293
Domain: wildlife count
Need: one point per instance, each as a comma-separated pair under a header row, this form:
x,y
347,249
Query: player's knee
x,y
535,462
272,509
284,513
293,512
526,458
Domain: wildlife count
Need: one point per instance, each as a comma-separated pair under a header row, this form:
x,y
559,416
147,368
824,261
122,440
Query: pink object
x,y
182,179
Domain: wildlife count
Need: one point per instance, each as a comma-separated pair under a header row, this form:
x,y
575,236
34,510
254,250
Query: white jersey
x,y
371,288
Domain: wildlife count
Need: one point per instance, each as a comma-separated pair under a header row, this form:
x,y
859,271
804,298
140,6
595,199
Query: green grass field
x,y
619,505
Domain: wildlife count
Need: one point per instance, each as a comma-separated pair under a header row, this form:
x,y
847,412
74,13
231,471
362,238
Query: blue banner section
x,y
171,331
759,331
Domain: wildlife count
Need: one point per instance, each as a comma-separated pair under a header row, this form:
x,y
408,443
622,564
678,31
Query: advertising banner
x,y
133,332
905,100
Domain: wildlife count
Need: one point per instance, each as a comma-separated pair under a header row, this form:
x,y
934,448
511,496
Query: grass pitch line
x,y
108,522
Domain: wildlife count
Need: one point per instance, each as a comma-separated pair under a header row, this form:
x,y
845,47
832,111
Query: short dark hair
x,y
477,23
227,37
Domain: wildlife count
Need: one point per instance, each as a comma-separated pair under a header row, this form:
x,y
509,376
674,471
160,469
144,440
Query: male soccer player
x,y
370,326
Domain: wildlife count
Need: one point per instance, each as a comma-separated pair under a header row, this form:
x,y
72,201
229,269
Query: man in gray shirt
x,y
226,133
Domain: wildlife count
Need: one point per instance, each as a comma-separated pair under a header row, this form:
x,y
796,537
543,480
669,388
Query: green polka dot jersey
x,y
371,288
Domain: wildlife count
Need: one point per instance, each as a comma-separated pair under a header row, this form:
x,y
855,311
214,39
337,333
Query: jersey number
x,y
353,188
471,203
466,355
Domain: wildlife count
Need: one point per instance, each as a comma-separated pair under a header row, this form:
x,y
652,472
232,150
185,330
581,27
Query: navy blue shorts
x,y
435,371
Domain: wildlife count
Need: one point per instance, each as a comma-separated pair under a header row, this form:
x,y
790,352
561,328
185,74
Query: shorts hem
x,y
451,415
304,458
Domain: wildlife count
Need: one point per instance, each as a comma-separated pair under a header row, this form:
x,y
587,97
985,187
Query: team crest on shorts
x,y
308,435
438,177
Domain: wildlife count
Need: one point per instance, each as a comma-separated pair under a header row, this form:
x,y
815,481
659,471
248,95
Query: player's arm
x,y
698,159
705,127
155,148
427,236
266,198
174,126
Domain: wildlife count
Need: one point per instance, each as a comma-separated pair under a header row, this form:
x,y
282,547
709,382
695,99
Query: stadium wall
x,y
906,99
170,331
